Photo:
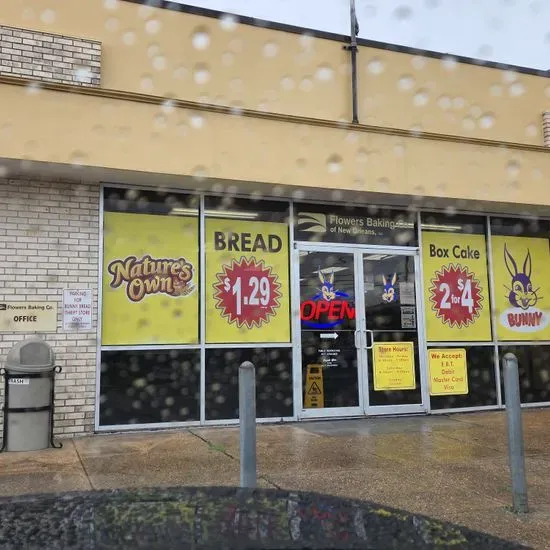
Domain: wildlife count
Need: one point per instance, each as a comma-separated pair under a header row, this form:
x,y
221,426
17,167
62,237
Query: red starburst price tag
x,y
247,293
456,296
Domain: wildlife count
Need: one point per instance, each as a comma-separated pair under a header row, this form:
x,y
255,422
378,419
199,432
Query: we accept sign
x,y
521,268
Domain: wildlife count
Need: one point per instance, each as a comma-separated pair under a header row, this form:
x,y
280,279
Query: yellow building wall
x,y
167,53
94,131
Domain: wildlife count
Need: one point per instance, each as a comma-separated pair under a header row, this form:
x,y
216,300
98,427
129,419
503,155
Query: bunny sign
x,y
521,266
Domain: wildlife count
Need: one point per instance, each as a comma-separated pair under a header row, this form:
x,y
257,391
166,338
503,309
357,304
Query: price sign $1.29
x,y
247,292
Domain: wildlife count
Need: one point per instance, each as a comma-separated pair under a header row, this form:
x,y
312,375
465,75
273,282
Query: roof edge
x,y
247,20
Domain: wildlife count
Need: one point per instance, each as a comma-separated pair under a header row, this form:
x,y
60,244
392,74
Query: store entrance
x,y
359,325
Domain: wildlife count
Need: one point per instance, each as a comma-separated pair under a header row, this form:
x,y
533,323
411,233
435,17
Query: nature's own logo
x,y
327,301
311,222
173,277
390,292
523,316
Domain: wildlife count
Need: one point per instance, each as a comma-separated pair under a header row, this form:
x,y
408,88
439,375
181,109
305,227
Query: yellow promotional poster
x,y
393,366
314,397
521,270
456,287
448,374
150,279
247,281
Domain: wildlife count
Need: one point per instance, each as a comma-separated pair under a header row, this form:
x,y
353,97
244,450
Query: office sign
x,y
28,316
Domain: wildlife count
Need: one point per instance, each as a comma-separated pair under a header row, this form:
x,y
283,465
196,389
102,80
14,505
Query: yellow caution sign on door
x,y
314,396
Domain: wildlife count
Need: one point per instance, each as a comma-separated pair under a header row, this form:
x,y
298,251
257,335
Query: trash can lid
x,y
32,355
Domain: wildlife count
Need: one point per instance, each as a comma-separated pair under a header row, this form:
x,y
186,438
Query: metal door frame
x,y
301,413
358,252
423,406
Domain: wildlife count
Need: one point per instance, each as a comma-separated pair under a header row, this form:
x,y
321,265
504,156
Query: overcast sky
x,y
508,31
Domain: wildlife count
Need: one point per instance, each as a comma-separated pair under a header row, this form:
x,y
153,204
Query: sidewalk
x,y
453,468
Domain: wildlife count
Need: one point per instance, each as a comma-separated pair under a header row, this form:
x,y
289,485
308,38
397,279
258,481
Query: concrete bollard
x,y
247,420
516,453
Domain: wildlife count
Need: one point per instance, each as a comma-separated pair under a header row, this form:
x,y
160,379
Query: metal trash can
x,y
29,396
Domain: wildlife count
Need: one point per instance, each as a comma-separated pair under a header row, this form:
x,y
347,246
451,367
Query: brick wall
x,y
50,57
546,128
48,242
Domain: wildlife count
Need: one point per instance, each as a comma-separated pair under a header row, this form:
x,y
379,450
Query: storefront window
x,y
151,297
534,372
456,282
462,377
273,382
247,303
328,330
143,387
521,263
247,271
150,268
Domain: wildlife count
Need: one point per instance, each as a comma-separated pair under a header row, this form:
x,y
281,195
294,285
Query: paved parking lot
x,y
454,467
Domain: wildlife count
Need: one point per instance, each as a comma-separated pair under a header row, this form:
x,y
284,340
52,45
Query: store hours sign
x,y
456,287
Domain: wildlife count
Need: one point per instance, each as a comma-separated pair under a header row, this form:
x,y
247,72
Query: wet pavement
x,y
453,468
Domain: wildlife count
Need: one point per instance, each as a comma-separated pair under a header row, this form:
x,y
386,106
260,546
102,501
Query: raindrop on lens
x,y
487,121
270,49
228,22
402,13
405,83
306,85
201,74
287,83
152,26
129,38
513,169
449,63
421,98
516,89
112,24
375,66
201,39
418,62
47,16
324,73
197,121
334,164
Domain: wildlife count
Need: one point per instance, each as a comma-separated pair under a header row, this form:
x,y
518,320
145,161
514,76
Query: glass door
x,y
330,339
390,344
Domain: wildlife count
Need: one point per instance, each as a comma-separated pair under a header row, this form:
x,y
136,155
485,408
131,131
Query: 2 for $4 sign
x,y
455,287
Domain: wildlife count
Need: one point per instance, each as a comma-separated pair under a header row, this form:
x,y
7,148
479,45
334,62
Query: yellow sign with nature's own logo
x,y
150,279
247,281
456,287
521,266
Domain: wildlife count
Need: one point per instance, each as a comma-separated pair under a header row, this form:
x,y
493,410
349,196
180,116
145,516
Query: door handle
x,y
357,345
367,331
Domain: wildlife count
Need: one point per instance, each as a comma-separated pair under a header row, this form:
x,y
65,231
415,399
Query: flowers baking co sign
x,y
145,276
